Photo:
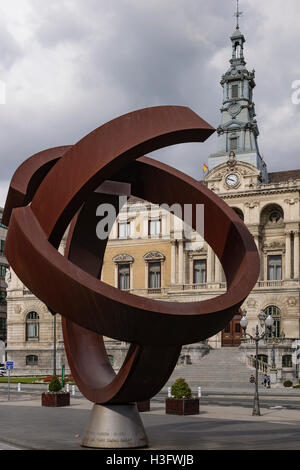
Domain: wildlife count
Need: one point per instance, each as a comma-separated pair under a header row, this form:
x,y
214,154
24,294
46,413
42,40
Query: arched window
x,y
32,326
31,360
275,312
238,212
271,216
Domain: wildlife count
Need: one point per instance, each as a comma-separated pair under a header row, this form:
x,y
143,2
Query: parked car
x,y
2,371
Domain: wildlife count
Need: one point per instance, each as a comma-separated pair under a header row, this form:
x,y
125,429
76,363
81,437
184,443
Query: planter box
x,y
55,399
182,407
143,405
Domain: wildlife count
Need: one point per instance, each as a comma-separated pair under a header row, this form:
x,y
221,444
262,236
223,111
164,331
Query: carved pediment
x,y
242,168
154,255
123,258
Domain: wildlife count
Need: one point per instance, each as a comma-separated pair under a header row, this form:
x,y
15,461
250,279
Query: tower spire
x,y
238,14
238,131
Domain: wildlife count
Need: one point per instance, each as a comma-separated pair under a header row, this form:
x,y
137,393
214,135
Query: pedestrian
x,y
269,381
265,380
252,379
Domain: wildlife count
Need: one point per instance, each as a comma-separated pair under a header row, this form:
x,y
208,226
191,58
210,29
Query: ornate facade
x,y
151,253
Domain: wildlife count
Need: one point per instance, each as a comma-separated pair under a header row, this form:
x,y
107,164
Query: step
x,y
219,368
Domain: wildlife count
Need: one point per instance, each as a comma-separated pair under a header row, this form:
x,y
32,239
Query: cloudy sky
x,y
71,65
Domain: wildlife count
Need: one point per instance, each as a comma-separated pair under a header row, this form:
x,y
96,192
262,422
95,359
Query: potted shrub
x,y
182,402
55,395
288,383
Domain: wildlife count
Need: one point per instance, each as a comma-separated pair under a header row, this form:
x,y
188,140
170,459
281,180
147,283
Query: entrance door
x,y
232,333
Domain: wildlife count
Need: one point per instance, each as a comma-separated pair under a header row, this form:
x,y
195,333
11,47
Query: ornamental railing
x,y
262,366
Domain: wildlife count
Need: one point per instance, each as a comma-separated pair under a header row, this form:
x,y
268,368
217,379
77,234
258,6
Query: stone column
x,y
209,266
218,269
180,262
261,258
288,255
296,255
173,263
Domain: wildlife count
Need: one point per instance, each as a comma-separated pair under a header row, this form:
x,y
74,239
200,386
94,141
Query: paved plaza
x,y
224,423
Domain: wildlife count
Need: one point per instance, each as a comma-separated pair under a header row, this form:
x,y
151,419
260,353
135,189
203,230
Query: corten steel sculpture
x,y
63,187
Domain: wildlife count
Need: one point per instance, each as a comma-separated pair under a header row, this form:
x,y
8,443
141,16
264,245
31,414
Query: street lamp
x,y
257,337
53,313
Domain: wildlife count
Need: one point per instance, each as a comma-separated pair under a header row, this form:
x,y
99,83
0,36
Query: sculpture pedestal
x,y
115,427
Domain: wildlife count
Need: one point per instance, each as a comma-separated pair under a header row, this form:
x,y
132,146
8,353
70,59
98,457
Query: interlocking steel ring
x,y
57,189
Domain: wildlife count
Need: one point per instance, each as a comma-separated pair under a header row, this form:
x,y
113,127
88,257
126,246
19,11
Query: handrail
x,y
262,366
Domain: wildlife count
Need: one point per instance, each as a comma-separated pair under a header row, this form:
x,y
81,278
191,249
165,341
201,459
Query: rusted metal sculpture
x,y
59,188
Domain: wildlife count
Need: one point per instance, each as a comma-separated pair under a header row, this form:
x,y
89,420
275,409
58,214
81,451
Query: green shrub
x,y
287,383
296,386
55,384
180,389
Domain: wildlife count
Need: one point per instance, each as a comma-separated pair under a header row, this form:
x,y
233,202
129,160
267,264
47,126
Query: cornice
x,y
258,192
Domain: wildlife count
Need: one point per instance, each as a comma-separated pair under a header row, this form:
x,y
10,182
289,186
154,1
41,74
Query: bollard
x,y
169,392
19,387
73,390
199,392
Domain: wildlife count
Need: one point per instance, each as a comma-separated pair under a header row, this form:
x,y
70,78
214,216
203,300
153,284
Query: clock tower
x,y
238,131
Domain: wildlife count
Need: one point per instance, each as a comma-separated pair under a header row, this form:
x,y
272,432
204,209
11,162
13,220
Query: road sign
x,y
9,365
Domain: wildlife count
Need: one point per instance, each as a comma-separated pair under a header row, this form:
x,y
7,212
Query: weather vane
x,y
237,14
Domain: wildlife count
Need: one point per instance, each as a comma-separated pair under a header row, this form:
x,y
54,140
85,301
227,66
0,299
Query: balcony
x,y
264,284
209,288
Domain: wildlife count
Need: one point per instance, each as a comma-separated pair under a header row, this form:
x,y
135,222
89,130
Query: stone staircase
x,y
219,369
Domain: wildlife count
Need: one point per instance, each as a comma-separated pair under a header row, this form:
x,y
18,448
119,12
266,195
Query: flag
x,y
205,168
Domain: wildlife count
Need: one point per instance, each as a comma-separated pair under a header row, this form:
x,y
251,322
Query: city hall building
x,y
150,254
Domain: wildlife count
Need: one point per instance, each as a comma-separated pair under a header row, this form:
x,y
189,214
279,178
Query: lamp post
x,y
54,345
256,338
53,313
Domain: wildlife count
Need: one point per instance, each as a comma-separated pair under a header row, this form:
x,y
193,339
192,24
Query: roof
x,y
281,176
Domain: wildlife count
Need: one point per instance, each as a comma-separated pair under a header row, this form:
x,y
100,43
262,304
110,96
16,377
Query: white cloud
x,y
71,65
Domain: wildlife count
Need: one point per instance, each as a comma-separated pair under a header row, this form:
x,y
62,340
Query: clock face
x,y
232,180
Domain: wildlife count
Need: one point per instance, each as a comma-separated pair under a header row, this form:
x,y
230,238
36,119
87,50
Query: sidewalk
x,y
247,390
26,424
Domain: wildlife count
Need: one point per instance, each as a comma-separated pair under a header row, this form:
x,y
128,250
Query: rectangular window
x,y
124,229
2,297
31,360
235,91
124,276
2,242
274,268
228,328
32,332
2,327
154,275
2,270
199,271
154,227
